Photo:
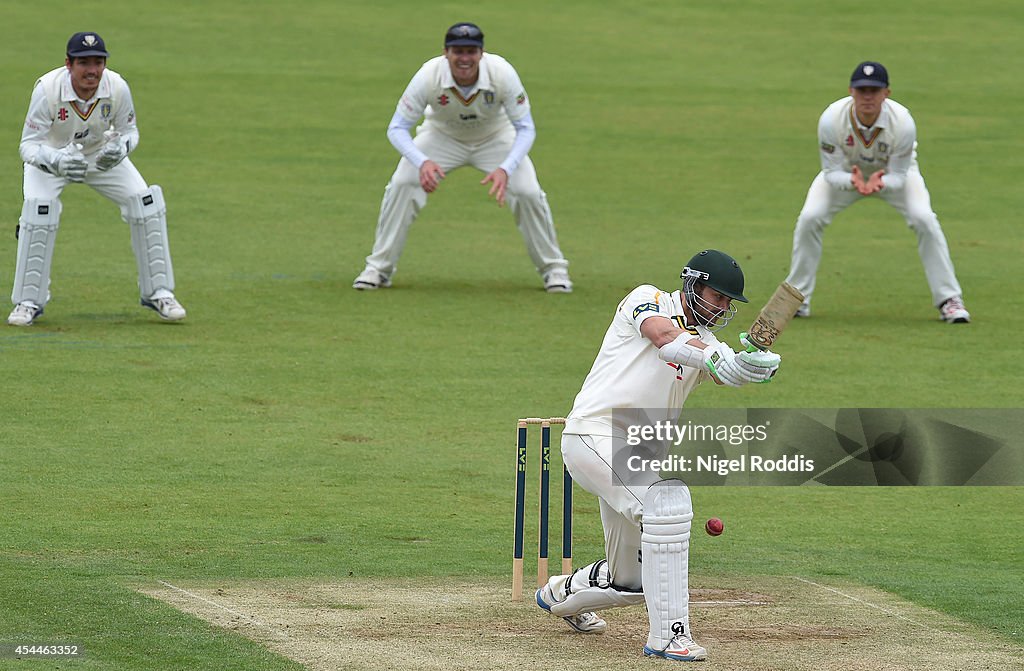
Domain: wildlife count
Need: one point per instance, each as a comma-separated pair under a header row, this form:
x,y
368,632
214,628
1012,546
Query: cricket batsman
x,y
659,347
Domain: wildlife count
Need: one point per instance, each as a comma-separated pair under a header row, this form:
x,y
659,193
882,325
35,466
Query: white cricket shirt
x,y
495,101
890,144
57,116
628,372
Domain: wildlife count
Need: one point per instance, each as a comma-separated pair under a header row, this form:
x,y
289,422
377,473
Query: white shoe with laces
x,y
557,282
953,311
167,307
585,623
24,314
680,649
371,279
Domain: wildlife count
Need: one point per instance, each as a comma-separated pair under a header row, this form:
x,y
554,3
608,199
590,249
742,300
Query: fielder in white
x,y
658,348
476,113
868,146
80,128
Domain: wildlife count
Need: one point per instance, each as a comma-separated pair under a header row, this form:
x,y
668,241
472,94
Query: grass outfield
x,y
292,428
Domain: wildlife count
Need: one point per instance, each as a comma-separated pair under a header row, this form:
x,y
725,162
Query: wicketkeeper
x,y
80,128
658,348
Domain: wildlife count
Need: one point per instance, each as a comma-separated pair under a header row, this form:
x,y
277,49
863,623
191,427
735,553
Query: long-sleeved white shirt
x,y
495,102
57,116
890,144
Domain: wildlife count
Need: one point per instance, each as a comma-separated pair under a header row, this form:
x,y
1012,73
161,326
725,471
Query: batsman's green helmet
x,y
717,270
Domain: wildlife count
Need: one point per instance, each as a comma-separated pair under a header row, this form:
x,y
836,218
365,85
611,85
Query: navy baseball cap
x,y
86,44
869,73
464,34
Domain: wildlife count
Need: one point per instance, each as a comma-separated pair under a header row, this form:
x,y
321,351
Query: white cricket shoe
x,y
803,311
558,282
371,279
954,312
167,307
585,623
680,649
24,314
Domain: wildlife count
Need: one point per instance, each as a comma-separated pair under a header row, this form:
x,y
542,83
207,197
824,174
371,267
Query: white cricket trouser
x,y
589,460
913,202
404,198
118,184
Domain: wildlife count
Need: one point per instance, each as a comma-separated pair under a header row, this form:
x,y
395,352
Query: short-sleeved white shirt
x,y
628,373
496,99
890,144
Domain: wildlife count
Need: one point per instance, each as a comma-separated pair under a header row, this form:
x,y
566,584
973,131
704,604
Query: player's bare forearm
x,y
661,331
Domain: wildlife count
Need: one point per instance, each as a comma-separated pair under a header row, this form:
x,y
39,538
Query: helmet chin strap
x,y
698,306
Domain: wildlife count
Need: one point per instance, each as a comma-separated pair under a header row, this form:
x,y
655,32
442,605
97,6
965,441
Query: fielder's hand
x,y
874,184
499,181
72,164
430,176
113,152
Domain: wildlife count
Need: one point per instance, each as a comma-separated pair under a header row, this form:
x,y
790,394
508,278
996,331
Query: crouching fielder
x,y
658,348
80,128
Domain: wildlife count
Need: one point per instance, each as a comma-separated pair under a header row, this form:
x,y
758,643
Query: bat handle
x,y
749,343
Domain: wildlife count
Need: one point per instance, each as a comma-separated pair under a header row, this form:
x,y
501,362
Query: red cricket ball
x,y
714,527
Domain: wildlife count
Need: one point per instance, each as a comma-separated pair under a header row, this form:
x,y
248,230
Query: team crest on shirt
x,y
443,99
883,147
105,110
646,307
62,114
488,97
521,98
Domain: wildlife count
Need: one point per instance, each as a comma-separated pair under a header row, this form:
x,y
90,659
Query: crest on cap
x,y
869,70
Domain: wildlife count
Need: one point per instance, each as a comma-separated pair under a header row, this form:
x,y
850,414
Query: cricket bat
x,y
774,316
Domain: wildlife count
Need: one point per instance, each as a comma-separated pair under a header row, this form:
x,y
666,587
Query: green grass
x,y
295,428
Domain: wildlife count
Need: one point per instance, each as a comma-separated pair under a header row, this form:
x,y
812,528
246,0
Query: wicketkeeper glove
x,y
113,152
72,164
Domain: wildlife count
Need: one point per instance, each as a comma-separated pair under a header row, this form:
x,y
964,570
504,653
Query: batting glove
x,y
719,360
762,366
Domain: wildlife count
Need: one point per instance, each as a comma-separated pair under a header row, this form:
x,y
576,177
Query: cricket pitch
x,y
754,624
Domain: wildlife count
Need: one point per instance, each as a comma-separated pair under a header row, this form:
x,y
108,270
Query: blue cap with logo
x,y
464,34
869,73
86,44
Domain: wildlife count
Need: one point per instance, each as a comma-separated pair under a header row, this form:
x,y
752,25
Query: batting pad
x,y
665,544
36,238
147,219
591,589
